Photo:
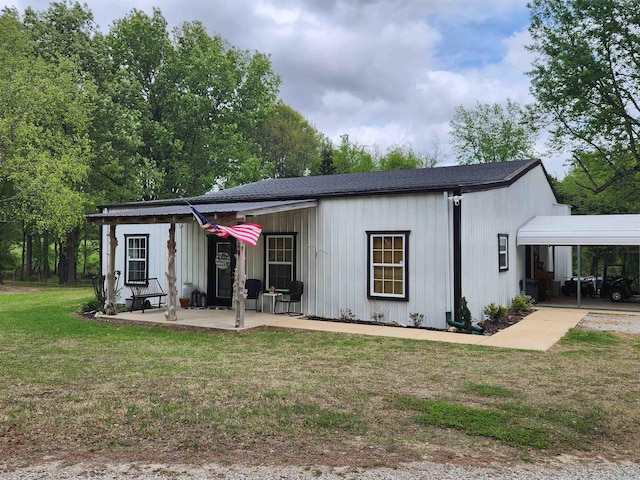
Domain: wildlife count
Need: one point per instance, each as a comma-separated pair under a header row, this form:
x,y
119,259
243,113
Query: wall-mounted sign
x,y
223,260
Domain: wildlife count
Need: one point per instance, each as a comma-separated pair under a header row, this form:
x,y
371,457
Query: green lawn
x,y
73,388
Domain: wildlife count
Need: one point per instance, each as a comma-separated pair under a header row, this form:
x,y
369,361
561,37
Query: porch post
x,y
241,277
110,306
172,292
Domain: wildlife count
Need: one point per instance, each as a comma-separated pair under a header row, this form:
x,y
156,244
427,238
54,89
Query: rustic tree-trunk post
x,y
172,291
110,305
240,278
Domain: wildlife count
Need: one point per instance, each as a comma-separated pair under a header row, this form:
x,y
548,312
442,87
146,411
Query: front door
x,y
221,268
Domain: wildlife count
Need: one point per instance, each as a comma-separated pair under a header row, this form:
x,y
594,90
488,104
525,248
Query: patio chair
x,y
254,287
293,295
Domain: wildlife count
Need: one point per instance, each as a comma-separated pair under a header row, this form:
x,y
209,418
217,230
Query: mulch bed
x,y
494,326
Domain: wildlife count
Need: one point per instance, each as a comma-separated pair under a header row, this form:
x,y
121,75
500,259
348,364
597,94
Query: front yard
x,y
80,390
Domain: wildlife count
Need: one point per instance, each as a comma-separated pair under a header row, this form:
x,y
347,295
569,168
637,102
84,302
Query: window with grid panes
x,y
137,259
388,274
503,252
280,260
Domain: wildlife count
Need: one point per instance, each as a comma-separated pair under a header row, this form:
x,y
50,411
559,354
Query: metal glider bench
x,y
141,294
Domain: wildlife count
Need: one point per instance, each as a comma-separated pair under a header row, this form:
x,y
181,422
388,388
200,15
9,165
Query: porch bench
x,y
140,294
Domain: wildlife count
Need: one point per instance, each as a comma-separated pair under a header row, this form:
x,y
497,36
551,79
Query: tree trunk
x,y
172,290
240,279
110,306
39,253
85,254
28,272
67,269
62,265
45,255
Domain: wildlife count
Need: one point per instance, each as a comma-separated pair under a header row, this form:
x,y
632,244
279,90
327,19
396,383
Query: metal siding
x,y
342,271
191,258
484,216
157,255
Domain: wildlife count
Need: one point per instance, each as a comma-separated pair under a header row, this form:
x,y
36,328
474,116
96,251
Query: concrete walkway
x,y
537,331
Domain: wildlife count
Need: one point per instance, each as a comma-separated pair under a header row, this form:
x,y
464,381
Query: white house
x,y
391,242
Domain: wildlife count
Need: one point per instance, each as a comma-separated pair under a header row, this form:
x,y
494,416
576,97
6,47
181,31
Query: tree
x,y
586,84
400,157
326,166
199,101
45,118
287,143
349,157
574,189
492,133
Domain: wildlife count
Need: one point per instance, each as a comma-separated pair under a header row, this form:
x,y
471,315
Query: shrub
x,y
495,312
521,303
346,315
91,306
417,319
465,314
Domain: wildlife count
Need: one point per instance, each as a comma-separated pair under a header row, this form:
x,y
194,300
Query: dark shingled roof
x,y
464,177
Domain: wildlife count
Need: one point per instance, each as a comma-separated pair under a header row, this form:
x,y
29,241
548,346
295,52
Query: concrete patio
x,y
538,331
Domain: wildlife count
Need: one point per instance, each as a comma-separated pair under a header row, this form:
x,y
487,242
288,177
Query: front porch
x,y
197,318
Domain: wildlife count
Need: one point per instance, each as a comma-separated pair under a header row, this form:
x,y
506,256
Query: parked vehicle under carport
x,y
617,286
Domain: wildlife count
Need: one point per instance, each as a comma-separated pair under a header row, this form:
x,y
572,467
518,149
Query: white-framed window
x,y
503,252
280,260
136,264
388,273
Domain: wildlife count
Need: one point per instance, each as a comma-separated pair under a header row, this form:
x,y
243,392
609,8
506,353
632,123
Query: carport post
x,y
579,273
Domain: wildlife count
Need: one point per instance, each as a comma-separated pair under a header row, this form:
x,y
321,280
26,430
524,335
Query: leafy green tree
x,y
349,157
288,144
45,118
400,157
585,80
575,189
326,166
66,29
199,101
492,133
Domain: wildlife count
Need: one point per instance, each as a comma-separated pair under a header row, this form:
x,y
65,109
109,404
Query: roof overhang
x,y
182,213
581,230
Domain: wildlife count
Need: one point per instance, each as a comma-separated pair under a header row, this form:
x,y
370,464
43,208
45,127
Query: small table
x,y
273,297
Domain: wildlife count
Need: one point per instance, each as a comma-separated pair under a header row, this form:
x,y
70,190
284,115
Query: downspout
x,y
447,270
457,255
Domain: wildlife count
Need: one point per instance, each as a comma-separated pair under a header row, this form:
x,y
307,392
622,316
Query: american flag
x,y
246,232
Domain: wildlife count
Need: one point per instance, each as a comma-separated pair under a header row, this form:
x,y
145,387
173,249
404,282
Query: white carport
x,y
579,230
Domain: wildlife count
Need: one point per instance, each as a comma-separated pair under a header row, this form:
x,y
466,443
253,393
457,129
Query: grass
x,y
72,388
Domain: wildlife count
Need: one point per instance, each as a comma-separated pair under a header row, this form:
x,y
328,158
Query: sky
x,y
385,72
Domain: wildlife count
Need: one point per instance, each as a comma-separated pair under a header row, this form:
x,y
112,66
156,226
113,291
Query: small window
x,y
137,259
280,260
388,267
503,252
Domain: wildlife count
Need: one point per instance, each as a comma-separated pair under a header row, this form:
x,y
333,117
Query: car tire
x,y
616,295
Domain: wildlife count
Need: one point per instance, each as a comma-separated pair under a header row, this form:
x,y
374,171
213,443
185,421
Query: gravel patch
x,y
611,322
416,471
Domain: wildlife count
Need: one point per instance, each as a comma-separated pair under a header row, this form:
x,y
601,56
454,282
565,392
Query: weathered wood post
x,y
172,291
110,304
240,278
